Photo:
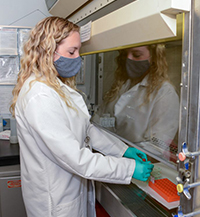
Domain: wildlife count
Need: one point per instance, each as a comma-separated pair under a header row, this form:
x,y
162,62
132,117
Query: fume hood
x,y
175,23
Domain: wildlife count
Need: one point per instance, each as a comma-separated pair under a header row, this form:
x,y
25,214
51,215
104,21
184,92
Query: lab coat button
x,y
130,107
129,117
87,145
87,139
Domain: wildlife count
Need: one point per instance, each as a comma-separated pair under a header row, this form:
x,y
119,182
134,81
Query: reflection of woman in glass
x,y
142,99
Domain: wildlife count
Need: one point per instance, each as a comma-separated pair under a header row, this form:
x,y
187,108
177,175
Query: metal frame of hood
x,y
190,104
64,8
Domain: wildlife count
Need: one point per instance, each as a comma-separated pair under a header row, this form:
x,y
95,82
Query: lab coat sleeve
x,y
51,129
106,143
164,119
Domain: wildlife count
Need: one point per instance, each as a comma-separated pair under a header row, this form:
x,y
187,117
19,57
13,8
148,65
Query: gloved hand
x,y
142,170
136,154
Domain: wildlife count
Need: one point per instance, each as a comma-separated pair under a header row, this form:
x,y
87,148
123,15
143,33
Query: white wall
x,y
22,12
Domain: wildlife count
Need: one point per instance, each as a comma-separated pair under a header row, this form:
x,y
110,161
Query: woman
x,y
142,100
54,132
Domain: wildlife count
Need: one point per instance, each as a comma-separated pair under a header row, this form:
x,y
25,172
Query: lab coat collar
x,y
69,89
77,97
144,83
33,77
66,86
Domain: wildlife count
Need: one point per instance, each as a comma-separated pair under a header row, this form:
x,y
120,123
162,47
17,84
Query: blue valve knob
x,y
185,151
180,214
184,148
187,165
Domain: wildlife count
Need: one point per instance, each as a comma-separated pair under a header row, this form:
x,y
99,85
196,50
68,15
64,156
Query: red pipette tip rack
x,y
166,189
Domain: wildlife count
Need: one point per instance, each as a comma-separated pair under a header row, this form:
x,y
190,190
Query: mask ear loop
x,y
57,53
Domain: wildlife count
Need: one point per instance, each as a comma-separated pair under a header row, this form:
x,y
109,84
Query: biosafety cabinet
x,y
111,28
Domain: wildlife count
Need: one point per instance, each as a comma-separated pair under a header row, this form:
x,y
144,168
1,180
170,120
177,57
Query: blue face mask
x,y
136,69
67,67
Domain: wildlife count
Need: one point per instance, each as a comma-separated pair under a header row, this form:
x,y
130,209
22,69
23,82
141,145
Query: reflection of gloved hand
x,y
142,170
134,153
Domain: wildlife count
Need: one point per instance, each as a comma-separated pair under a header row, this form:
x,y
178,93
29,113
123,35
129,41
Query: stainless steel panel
x,y
11,202
111,202
194,115
129,201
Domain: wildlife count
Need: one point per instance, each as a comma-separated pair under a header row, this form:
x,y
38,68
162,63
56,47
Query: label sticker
x,y
14,184
85,32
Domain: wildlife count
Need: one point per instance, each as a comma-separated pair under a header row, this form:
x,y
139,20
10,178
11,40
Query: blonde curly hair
x,y
158,73
38,56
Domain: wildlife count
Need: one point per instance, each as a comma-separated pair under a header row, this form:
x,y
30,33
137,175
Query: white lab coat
x,y
56,163
138,122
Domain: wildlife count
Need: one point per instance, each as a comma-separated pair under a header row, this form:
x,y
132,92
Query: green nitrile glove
x,y
136,154
142,170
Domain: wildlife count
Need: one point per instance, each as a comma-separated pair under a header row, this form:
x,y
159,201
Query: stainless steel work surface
x,y
129,201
